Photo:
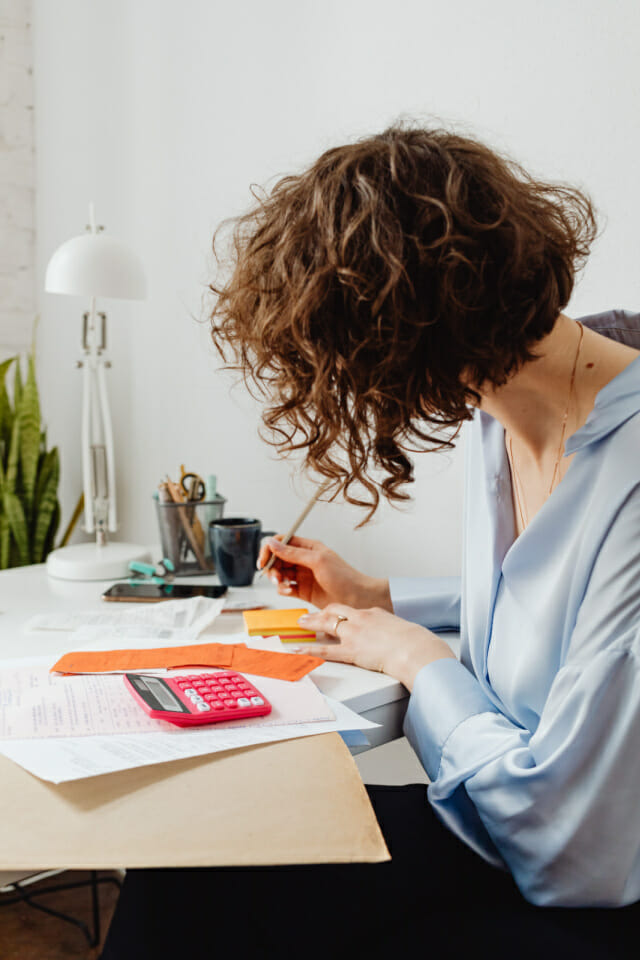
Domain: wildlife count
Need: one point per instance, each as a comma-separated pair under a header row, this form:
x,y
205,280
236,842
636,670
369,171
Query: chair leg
x,y
93,936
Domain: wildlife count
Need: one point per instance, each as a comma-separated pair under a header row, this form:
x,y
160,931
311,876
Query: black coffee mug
x,y
235,544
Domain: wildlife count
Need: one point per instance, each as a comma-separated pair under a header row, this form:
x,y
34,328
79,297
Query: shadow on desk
x,y
392,764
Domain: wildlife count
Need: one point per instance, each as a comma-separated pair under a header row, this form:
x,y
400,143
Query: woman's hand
x,y
309,570
376,640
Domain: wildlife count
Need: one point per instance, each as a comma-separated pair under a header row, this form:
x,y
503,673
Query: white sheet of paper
x,y
35,703
72,758
193,615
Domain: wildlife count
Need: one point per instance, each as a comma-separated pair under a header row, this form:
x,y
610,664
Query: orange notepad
x,y
277,623
234,656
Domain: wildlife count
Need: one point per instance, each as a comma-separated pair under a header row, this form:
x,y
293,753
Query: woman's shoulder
x,y
620,325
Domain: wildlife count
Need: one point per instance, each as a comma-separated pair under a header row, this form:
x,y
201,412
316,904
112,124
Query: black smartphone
x,y
153,592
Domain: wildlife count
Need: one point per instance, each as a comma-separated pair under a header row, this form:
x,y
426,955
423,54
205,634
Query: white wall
x,y
17,177
165,112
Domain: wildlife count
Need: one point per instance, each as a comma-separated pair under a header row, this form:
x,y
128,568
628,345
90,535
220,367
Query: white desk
x,y
26,591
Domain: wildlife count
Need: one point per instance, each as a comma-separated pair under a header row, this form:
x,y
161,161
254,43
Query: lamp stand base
x,y
88,561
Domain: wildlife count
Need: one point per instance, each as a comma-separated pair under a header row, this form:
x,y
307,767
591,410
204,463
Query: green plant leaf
x,y
6,412
18,524
17,385
4,368
48,464
28,414
11,473
46,502
51,533
29,474
5,534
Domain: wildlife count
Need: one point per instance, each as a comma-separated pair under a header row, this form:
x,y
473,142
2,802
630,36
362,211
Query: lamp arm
x,y
87,470
108,442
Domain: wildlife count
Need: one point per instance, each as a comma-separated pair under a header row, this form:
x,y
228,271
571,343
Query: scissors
x,y
192,484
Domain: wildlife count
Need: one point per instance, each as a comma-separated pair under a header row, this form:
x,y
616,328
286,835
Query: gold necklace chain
x,y
519,490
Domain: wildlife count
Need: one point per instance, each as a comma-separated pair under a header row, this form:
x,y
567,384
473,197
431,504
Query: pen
x,y
295,526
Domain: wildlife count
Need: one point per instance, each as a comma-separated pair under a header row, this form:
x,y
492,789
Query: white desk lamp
x,y
95,265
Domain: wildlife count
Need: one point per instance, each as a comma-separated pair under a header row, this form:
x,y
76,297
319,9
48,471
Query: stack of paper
x,y
66,727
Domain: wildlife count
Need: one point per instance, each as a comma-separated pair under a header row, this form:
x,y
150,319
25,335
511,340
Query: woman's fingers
x,y
265,551
288,552
304,542
284,576
332,620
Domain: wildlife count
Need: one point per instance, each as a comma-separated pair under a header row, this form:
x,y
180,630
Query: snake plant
x,y
29,473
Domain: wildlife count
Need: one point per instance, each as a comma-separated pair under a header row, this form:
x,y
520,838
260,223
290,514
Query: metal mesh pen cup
x,y
183,534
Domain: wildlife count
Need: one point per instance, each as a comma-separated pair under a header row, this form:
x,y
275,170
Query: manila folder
x,y
295,801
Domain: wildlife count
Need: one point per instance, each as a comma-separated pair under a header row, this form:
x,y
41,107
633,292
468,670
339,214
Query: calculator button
x,y
231,704
189,692
203,706
257,701
217,705
244,702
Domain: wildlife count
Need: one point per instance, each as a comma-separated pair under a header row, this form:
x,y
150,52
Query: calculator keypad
x,y
218,696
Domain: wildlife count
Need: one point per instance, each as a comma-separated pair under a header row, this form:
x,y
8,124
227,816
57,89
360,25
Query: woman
x,y
401,286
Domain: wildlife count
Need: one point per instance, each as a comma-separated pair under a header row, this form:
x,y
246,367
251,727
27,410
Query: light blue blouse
x,y
532,740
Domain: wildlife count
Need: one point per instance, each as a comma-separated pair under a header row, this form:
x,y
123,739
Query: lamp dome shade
x,y
96,265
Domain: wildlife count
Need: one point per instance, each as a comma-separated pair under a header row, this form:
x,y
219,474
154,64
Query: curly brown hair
x,y
372,295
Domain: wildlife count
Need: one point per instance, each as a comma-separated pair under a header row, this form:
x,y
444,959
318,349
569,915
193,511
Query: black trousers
x,y
435,896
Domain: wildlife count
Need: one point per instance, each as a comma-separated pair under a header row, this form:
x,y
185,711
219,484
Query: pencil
x,y
307,510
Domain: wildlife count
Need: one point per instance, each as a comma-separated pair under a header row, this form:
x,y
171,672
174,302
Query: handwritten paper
x,y
35,703
73,758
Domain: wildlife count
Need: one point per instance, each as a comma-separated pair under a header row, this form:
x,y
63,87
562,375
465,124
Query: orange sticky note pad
x,y
280,623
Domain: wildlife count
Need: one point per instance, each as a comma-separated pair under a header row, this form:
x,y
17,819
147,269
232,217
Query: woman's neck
x,y
533,402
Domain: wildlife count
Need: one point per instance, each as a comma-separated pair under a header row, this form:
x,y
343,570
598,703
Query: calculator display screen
x,y
163,694
160,691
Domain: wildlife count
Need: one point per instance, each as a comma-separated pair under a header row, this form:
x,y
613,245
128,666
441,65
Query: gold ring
x,y
339,620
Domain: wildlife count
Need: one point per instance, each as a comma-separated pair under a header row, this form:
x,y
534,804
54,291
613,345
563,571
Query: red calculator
x,y
195,699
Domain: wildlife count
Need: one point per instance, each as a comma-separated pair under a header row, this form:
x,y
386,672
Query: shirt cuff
x,y
444,695
432,602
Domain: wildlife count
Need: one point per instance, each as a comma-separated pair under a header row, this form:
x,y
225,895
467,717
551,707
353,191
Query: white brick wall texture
x,y
17,177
